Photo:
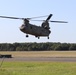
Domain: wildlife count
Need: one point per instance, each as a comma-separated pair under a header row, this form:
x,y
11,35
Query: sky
x,y
61,9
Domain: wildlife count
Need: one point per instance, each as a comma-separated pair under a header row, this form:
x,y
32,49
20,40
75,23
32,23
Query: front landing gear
x,y
27,36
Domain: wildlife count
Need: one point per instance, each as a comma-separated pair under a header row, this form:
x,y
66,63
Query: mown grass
x,y
38,68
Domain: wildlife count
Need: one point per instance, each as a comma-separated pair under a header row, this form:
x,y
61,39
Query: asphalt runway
x,y
50,59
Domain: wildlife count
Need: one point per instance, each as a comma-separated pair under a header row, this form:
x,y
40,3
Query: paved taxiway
x,y
51,59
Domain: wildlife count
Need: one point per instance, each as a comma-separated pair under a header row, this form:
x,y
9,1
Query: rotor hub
x,y
26,21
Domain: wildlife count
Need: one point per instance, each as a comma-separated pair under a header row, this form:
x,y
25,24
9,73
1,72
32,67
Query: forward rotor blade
x,y
11,17
59,21
38,20
37,17
22,18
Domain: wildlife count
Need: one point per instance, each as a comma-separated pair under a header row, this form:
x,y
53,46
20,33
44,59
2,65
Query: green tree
x,y
72,47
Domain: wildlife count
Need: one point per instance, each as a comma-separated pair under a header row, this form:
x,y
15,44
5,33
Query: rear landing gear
x,y
48,37
38,37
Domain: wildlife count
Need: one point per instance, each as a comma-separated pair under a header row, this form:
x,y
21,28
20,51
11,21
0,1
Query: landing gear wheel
x,y
27,36
48,37
38,37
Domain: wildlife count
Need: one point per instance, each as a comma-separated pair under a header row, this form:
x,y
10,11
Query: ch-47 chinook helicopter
x,y
37,31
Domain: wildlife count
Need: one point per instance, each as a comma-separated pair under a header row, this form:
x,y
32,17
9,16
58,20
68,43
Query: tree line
x,y
48,46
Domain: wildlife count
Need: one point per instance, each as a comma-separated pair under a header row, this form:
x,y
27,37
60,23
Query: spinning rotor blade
x,y
11,17
59,21
37,17
49,17
52,21
22,18
34,18
38,20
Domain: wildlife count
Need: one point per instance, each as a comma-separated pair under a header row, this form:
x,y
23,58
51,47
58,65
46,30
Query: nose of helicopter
x,y
22,27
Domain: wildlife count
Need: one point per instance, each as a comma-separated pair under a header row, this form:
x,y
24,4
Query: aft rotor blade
x,y
11,17
59,21
52,21
49,17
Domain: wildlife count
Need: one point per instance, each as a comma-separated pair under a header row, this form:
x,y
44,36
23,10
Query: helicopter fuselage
x,y
37,31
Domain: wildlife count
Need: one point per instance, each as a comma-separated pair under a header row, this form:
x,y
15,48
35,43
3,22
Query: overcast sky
x,y
61,10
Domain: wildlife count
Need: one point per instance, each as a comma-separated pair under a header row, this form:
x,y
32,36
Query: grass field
x,y
38,68
40,53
